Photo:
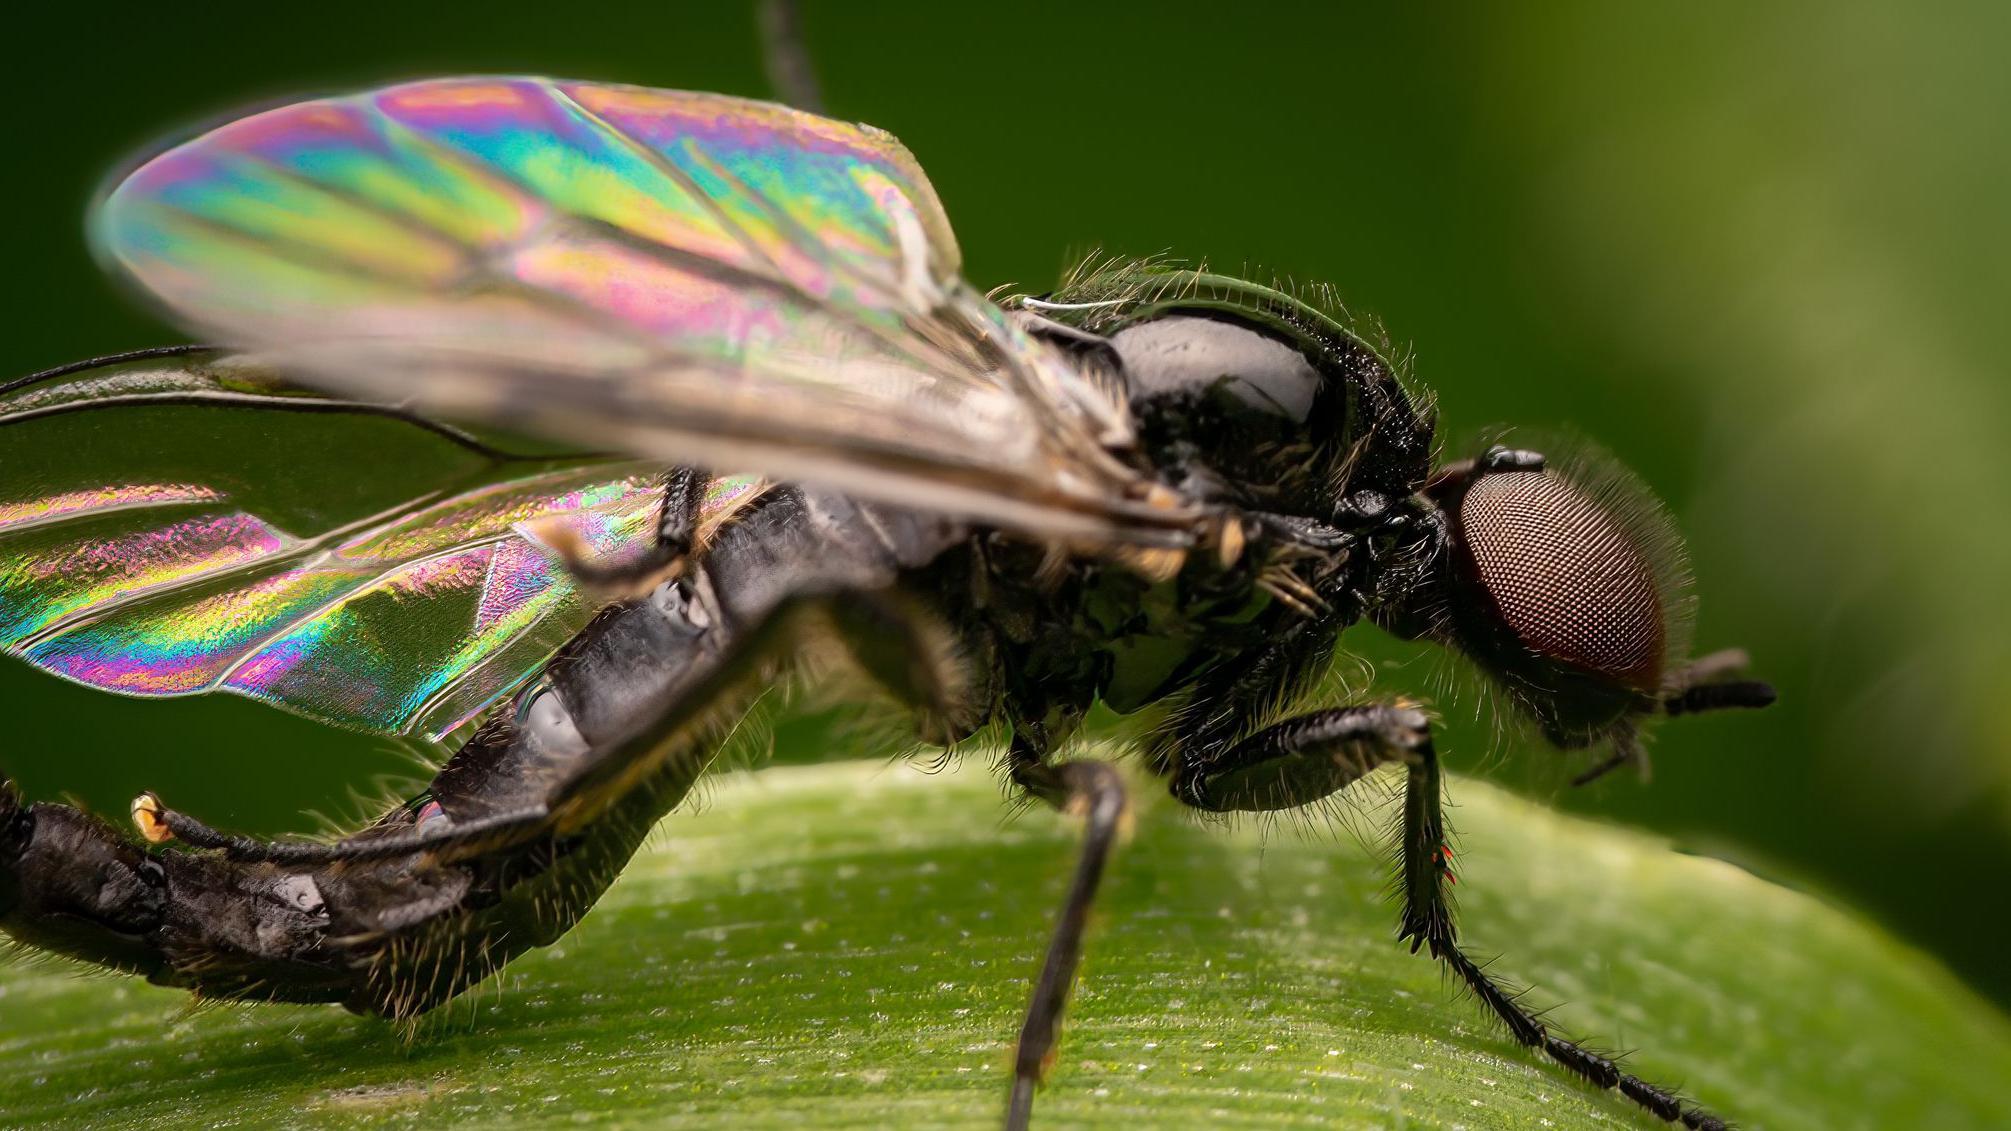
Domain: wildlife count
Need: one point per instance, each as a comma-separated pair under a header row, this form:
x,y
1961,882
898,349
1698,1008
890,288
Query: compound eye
x,y
1569,578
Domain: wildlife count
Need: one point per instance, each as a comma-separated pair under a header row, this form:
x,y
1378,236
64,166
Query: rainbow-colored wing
x,y
688,278
185,523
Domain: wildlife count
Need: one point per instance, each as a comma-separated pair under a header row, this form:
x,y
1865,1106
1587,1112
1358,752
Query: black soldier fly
x,y
1149,487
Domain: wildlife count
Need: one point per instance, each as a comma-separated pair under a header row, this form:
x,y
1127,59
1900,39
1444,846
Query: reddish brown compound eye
x,y
1567,578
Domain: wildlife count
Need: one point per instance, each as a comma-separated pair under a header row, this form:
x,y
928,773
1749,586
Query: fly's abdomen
x,y
516,837
613,735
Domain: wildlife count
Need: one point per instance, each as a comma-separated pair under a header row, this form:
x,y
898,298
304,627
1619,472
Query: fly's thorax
x,y
1157,637
1242,414
1248,396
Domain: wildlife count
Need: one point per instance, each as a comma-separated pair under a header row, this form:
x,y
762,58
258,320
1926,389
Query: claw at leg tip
x,y
151,819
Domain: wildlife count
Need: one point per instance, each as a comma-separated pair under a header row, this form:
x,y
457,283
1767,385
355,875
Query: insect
x,y
656,383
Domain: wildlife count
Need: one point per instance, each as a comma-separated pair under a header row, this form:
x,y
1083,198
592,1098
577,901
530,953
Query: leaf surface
x,y
851,945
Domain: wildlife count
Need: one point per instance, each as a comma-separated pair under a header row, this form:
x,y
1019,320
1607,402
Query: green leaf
x,y
852,945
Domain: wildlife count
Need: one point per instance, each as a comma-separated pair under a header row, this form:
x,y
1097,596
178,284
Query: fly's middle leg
x,y
1095,791
908,652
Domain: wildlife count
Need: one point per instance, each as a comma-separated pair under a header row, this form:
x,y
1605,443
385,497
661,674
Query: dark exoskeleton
x,y
1560,584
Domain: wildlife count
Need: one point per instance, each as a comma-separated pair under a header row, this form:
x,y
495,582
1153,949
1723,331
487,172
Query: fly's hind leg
x,y
1303,759
515,838
1095,791
74,885
393,920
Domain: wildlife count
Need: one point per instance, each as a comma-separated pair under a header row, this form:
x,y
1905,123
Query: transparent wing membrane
x,y
690,278
180,524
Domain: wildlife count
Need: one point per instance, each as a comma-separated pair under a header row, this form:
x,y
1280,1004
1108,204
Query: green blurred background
x,y
1759,251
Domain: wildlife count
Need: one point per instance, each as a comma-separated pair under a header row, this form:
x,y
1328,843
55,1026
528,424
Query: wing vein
x,y
9,388
298,550
336,602
683,180
802,240
683,277
309,405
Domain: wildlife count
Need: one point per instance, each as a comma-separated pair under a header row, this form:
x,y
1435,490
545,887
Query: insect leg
x,y
73,885
1094,790
676,532
160,824
786,58
1427,923
1300,760
406,914
1303,759
514,839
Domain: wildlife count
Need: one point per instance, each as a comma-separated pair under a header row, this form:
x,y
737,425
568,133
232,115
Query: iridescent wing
x,y
690,278
182,522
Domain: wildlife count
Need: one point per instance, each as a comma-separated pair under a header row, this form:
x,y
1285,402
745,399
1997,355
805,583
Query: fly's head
x,y
1568,585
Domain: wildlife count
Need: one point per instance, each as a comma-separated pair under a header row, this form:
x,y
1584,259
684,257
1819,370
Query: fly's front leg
x,y
1427,923
1298,761
1303,759
1096,792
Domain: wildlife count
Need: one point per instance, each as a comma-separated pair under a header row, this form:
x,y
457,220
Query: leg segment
x,y
1306,758
1300,760
1427,923
676,532
907,651
159,824
73,885
786,59
1095,790
515,839
518,834
677,515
